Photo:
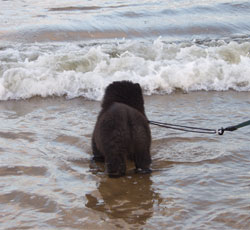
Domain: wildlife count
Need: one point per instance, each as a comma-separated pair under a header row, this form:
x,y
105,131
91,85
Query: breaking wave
x,y
84,70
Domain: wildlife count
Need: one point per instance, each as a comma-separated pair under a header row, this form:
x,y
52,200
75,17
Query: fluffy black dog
x,y
122,130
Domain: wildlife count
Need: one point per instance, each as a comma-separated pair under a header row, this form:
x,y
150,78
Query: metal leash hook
x,y
221,131
231,128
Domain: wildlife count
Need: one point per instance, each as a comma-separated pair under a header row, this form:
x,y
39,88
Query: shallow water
x,y
192,60
199,181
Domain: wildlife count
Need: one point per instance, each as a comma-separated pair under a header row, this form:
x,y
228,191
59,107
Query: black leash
x,y
183,128
199,130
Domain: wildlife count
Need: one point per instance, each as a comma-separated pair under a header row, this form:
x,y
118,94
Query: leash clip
x,y
221,131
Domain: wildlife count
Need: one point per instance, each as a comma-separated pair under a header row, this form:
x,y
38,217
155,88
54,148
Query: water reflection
x,y
130,198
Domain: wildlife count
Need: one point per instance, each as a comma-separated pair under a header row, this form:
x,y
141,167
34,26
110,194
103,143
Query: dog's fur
x,y
122,130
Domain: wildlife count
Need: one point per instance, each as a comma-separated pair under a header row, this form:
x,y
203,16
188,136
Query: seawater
x,y
74,70
30,21
192,61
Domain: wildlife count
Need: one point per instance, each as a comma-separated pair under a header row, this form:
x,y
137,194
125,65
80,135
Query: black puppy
x,y
122,130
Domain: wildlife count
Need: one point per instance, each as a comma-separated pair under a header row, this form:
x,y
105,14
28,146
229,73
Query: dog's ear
x,y
137,85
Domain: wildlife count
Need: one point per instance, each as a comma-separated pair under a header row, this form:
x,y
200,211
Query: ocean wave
x,y
84,70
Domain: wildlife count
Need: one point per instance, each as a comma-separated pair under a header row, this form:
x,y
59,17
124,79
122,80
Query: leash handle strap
x,y
233,127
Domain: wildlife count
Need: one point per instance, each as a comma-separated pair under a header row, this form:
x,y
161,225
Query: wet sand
x,y
199,181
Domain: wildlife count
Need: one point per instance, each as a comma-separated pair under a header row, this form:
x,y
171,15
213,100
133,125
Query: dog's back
x,y
122,129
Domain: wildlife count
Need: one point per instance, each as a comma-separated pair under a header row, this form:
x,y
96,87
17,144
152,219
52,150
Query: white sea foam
x,y
75,70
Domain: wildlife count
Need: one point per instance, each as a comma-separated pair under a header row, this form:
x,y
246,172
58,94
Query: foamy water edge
x,y
76,70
